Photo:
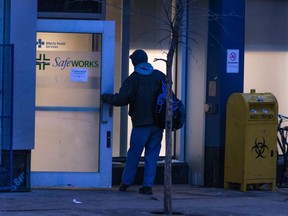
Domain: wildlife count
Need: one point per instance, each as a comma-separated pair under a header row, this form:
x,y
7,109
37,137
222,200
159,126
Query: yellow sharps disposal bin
x,y
251,140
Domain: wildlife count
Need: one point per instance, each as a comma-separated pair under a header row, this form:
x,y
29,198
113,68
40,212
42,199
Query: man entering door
x,y
140,91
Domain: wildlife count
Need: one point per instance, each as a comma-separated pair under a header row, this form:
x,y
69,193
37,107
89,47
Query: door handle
x,y
108,139
106,111
110,110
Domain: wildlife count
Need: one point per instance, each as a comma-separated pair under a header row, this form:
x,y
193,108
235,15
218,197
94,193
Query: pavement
x,y
186,200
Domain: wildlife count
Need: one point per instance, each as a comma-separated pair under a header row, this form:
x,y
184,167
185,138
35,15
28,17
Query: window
x,y
72,9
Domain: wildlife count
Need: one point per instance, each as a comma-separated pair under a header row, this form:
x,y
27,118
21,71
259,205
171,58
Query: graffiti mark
x,y
18,181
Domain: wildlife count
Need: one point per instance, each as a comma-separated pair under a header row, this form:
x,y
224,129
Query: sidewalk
x,y
186,200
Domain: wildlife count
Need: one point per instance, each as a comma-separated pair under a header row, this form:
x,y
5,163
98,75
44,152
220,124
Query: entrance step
x,y
179,173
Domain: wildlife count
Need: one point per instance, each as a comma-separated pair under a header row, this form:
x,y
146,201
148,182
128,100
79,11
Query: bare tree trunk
x,y
168,153
175,24
167,179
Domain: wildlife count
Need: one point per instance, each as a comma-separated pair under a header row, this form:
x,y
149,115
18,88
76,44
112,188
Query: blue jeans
x,y
150,138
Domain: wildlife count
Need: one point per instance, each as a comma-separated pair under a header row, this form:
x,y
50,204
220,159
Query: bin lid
x,y
255,97
254,106
259,98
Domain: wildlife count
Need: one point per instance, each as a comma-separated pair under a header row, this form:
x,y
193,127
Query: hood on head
x,y
144,68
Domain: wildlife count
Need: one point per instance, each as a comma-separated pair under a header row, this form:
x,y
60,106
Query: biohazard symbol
x,y
260,147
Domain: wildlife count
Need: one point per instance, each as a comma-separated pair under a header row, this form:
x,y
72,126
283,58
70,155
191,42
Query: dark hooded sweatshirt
x,y
140,91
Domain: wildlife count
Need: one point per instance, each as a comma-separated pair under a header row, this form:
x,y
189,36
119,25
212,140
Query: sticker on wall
x,y
79,74
232,61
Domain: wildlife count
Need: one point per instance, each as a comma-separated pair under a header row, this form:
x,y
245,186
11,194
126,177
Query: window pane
x,y
74,9
79,6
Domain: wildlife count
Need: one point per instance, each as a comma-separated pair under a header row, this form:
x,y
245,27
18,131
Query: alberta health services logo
x,y
49,44
43,60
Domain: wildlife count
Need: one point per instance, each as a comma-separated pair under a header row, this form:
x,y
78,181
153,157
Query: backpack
x,y
178,117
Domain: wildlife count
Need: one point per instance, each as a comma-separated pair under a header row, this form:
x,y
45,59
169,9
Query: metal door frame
x,y
103,178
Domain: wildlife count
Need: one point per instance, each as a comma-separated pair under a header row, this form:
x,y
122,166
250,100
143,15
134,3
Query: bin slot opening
x,y
262,111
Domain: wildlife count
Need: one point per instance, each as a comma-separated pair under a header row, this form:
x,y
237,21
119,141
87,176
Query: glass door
x,y
74,64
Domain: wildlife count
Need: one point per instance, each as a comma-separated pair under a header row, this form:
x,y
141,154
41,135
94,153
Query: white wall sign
x,y
79,75
232,61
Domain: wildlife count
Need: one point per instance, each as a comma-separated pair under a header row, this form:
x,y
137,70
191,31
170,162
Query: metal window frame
x,y
7,115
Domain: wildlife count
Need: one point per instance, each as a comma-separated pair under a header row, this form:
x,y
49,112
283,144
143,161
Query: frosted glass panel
x,y
68,70
70,79
66,142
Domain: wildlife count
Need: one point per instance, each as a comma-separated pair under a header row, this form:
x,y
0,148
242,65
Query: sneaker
x,y
145,190
123,187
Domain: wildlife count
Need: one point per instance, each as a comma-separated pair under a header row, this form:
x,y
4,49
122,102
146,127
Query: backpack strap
x,y
162,97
